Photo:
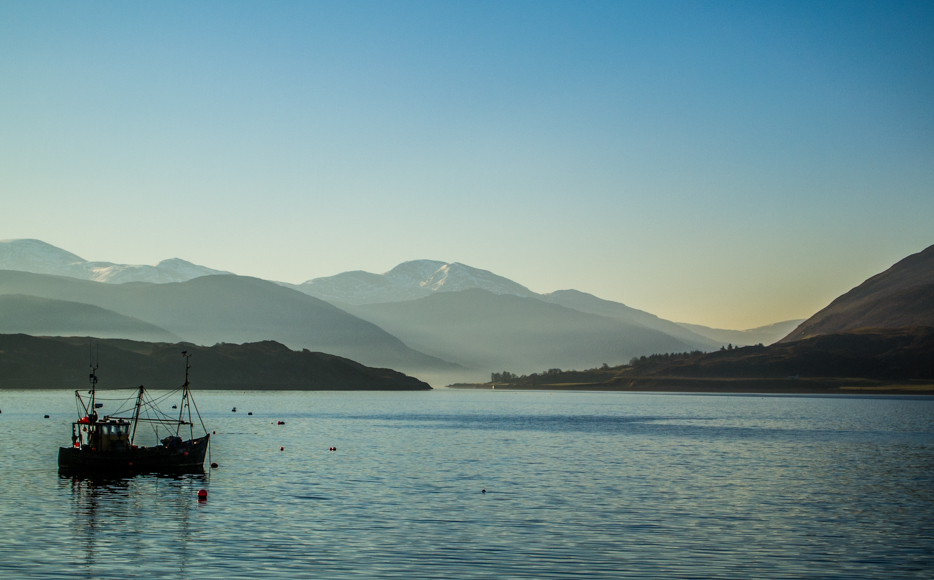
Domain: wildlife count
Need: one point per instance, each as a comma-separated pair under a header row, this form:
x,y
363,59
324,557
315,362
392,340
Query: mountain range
x,y
423,316
408,281
41,258
482,330
227,308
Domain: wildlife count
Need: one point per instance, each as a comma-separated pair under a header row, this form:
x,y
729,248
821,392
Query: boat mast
x,y
139,403
92,378
185,403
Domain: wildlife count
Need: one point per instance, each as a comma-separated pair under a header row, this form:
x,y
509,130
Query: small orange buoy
x,y
202,494
214,465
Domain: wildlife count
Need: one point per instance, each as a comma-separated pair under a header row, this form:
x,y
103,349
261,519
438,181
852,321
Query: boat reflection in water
x,y
107,446
115,528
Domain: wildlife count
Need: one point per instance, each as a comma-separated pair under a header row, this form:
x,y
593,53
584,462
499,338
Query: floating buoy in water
x,y
214,466
202,494
282,449
250,413
281,423
213,432
186,454
46,417
131,464
332,448
234,410
482,491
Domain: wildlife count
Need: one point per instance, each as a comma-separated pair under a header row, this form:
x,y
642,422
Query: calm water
x,y
578,485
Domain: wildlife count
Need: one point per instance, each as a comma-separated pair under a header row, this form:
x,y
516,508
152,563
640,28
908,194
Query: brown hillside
x,y
903,295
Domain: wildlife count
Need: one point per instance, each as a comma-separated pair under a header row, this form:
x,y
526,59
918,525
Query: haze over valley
x,y
443,321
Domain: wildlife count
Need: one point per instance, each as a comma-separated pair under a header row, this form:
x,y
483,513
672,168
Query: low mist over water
x,y
593,485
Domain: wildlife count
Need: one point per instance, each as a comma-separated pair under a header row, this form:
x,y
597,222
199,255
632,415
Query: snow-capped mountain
x,y
408,281
36,256
41,258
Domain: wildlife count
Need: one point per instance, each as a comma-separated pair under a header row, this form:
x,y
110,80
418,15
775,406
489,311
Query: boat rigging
x,y
109,444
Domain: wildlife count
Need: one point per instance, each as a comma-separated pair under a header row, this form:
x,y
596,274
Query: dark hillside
x,y
28,362
903,295
876,353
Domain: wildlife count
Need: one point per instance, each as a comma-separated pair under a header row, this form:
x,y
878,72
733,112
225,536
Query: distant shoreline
x,y
811,386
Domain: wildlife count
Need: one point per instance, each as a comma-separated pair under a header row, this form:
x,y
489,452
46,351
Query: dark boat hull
x,y
185,458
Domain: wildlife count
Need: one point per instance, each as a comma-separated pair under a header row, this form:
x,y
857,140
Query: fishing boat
x,y
108,444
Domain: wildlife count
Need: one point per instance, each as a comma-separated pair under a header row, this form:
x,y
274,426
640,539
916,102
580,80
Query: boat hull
x,y
186,457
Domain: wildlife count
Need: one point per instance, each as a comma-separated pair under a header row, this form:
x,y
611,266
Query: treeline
x,y
556,375
653,360
636,364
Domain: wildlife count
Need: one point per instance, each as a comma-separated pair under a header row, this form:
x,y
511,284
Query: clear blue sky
x,y
730,164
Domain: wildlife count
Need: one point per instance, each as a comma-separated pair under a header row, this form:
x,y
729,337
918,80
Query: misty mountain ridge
x,y
483,330
39,257
408,281
21,314
228,308
421,278
591,304
768,334
494,323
